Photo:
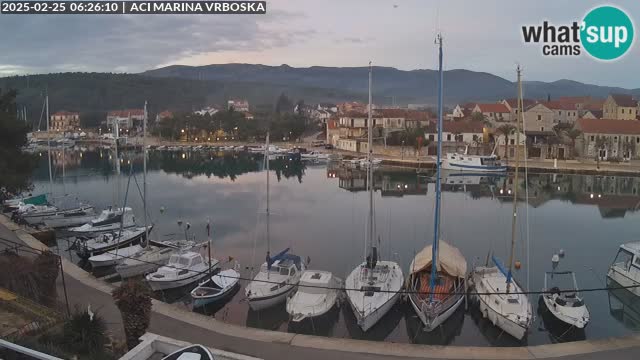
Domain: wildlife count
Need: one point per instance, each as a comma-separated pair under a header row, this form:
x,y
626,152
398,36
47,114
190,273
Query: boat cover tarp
x,y
450,260
36,200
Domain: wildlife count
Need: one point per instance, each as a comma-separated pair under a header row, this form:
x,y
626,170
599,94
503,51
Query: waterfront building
x,y
608,139
240,105
620,107
493,112
538,117
126,119
65,121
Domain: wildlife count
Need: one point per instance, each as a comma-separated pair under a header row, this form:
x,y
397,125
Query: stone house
x,y
608,139
620,107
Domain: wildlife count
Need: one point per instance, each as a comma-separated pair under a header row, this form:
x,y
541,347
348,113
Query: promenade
x,y
178,323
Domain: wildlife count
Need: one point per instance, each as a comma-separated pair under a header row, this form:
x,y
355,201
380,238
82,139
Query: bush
x,y
84,333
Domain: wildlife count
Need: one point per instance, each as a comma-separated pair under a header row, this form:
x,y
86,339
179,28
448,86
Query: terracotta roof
x,y
401,113
355,114
65,113
624,100
560,105
126,113
493,107
165,114
609,126
457,127
597,113
513,102
594,104
575,99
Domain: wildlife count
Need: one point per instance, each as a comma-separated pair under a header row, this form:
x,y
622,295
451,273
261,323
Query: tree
x,y
133,298
506,130
283,104
477,116
573,134
15,166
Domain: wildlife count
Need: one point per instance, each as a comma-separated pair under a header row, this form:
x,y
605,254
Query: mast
x,y
515,182
144,175
266,157
370,163
49,145
436,220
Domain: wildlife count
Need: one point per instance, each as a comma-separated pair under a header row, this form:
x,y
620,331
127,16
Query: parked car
x,y
318,143
328,146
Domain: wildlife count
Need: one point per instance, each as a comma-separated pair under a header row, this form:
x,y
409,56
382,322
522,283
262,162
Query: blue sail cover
x,y
500,267
279,256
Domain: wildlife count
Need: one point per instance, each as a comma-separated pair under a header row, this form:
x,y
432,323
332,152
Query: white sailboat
x,y
108,220
500,298
279,275
373,287
103,243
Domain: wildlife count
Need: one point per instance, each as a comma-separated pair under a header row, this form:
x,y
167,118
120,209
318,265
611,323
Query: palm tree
x,y
133,299
573,134
506,130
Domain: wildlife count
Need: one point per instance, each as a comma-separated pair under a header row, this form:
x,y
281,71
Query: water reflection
x,y
320,210
624,306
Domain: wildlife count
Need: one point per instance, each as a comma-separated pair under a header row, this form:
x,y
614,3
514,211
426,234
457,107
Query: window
x,y
622,110
475,137
542,128
623,259
539,117
593,138
559,112
432,137
448,137
513,142
638,140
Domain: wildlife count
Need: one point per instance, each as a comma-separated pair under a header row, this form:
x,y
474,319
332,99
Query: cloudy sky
x,y
479,35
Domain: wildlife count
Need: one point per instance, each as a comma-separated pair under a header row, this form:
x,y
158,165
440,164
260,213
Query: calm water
x,y
320,211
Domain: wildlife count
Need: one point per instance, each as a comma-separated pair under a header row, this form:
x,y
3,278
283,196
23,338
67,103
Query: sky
x,y
479,35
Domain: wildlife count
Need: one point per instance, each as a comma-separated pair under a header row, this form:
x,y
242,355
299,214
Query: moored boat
x,y
217,287
318,292
181,270
565,304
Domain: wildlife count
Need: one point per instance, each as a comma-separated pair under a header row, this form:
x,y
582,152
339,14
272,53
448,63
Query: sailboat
x,y
500,298
373,287
278,275
437,273
38,214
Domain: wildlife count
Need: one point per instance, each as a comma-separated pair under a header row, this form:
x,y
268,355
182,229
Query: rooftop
x,y
609,126
624,100
469,126
493,107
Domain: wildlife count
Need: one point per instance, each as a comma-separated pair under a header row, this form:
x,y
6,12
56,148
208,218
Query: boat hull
x,y
157,285
450,165
263,302
68,221
367,321
432,323
201,301
137,269
624,281
579,323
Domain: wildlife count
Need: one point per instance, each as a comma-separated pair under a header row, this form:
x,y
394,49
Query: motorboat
x,y
104,242
108,220
192,352
436,299
181,270
508,309
77,215
565,304
153,256
113,257
276,279
318,292
216,288
477,163
314,155
625,269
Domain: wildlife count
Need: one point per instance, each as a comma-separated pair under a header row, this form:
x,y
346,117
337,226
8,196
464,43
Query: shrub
x,y
133,298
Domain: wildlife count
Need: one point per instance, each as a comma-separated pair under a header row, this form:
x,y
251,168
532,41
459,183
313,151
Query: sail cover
x,y
450,260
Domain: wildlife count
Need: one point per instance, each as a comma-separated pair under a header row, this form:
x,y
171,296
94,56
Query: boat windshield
x,y
177,259
623,259
487,161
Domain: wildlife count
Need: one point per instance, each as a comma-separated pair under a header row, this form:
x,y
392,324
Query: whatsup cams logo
x,y
606,33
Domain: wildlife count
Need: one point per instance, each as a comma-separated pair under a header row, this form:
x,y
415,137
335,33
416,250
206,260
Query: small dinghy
x,y
318,292
566,304
193,352
114,257
216,288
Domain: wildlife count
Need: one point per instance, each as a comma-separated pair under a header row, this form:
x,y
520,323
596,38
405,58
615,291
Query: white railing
x,y
26,351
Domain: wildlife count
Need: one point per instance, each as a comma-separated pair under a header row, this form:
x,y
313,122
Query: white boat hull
x,y
451,165
157,285
579,317
114,257
263,302
68,222
369,320
624,281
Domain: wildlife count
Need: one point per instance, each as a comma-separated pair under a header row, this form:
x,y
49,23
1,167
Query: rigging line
x,y
607,288
526,192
